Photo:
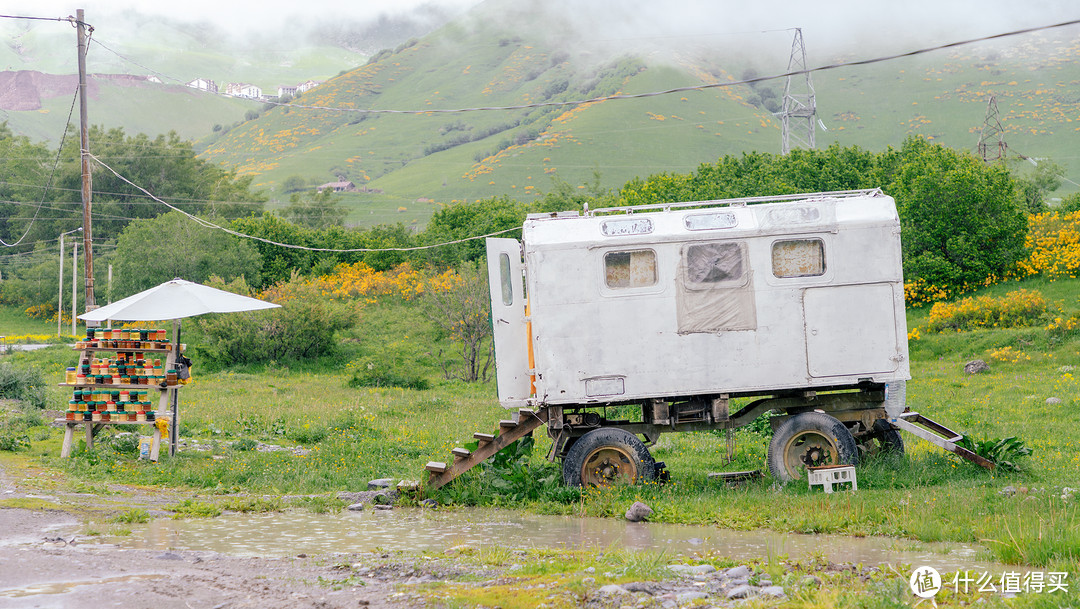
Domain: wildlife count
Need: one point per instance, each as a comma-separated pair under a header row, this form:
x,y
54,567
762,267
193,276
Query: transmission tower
x,y
992,144
799,109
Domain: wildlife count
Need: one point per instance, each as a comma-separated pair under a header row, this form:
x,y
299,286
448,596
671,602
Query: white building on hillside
x,y
203,84
243,89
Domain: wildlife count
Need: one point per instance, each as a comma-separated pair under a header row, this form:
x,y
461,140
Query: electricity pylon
x,y
992,144
799,111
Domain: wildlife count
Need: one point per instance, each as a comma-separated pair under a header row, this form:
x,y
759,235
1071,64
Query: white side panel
x,y
850,330
506,282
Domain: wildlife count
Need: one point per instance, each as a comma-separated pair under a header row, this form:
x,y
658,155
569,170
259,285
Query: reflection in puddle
x,y
65,587
299,531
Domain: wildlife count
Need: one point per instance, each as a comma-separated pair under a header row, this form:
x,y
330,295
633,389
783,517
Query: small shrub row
x,y
1017,309
24,384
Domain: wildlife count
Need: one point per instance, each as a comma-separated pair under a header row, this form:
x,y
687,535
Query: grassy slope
x,y
176,55
941,96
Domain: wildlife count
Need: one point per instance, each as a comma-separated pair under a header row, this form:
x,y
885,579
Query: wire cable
x,y
209,224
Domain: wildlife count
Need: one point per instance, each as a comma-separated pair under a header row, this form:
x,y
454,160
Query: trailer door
x,y
850,330
511,332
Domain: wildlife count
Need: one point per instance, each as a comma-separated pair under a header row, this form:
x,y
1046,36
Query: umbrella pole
x,y
174,431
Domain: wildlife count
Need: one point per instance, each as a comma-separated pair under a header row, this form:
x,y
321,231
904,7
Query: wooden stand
x,y
166,401
92,427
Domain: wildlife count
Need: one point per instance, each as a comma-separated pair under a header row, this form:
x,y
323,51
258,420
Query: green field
x,y
357,434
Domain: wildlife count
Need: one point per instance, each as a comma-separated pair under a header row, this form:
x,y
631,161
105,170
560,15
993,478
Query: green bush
x,y
26,385
395,364
15,426
304,327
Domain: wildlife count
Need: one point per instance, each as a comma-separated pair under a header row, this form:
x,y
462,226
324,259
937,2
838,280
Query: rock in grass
x,y
612,589
976,366
638,512
741,591
773,591
740,572
1051,401
356,507
379,483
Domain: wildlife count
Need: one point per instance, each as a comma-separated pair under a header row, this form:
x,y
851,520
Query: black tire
x,y
608,456
810,439
883,440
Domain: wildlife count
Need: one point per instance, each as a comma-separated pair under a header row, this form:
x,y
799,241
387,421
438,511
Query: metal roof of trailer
x,y
709,220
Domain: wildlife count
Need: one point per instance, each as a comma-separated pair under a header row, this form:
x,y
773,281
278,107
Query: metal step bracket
x,y
937,434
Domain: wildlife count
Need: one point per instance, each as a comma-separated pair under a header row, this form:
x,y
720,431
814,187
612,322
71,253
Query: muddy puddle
x,y
299,531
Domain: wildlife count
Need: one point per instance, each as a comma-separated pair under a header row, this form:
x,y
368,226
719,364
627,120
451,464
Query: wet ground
x,y
417,529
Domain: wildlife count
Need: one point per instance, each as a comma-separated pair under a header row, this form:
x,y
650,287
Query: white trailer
x,y
615,325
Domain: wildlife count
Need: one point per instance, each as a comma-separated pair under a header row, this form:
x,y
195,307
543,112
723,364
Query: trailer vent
x,y
713,221
626,226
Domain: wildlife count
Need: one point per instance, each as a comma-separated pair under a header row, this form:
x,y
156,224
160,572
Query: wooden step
x,y
523,414
488,445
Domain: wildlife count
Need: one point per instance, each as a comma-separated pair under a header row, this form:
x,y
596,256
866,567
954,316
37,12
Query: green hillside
x,y
412,163
173,52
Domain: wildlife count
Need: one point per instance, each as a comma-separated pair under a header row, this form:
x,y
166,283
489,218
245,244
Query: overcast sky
x,y
853,27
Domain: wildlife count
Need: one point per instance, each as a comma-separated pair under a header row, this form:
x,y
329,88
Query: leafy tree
x,y
1033,188
463,312
293,183
165,166
156,250
317,210
469,220
960,220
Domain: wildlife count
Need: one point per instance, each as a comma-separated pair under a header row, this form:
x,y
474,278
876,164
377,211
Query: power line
x,y
208,224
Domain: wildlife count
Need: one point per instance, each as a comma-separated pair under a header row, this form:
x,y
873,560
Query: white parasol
x,y
175,300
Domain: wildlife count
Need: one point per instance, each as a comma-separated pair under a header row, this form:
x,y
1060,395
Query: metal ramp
x,y
938,434
510,431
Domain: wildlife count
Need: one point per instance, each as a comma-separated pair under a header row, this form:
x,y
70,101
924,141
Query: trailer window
x,y
714,263
506,280
632,269
798,258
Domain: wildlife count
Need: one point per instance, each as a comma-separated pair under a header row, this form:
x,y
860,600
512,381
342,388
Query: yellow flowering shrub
x,y
1053,244
1016,309
360,281
1009,355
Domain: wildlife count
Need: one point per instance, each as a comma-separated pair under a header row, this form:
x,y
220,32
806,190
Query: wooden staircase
x,y
509,431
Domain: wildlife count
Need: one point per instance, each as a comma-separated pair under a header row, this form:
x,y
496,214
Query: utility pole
x,y
992,146
84,153
799,107
74,280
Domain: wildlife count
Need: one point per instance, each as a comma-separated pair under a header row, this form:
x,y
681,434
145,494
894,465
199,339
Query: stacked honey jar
x,y
109,389
124,338
102,404
127,368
